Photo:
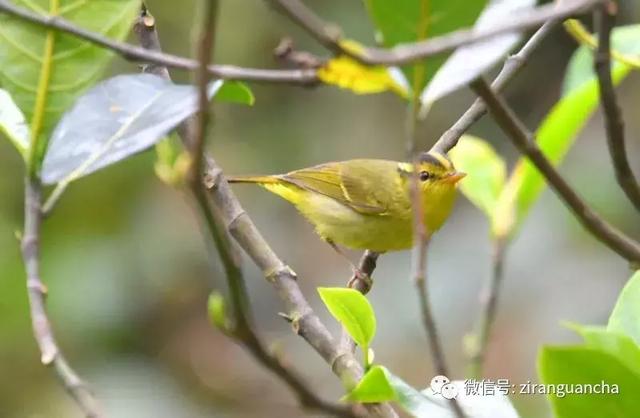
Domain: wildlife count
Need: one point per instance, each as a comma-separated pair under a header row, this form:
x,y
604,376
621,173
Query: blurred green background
x,y
129,270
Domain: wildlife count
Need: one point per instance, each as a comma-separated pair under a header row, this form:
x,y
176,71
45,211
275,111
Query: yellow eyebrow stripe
x,y
442,159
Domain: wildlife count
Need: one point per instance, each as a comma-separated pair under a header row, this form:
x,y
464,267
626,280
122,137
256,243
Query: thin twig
x,y
367,265
428,320
488,308
524,141
511,67
330,35
400,54
614,124
135,53
51,355
232,217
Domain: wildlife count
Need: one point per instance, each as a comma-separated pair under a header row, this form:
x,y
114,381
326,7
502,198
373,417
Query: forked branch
x,y
614,124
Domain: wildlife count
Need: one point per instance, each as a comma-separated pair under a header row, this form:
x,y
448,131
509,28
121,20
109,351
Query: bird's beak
x,y
455,177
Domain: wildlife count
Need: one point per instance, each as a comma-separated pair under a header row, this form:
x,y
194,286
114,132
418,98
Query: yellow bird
x,y
366,203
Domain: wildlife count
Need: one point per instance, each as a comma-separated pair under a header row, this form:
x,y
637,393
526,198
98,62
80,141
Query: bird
x,y
365,204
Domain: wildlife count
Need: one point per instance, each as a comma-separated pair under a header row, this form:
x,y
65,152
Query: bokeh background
x,y
129,270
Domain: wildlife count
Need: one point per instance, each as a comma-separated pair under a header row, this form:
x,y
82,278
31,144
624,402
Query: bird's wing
x,y
353,185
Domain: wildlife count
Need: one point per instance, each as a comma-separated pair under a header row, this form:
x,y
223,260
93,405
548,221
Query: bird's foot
x,y
360,281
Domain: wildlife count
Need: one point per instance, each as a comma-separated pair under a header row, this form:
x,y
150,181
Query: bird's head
x,y
435,171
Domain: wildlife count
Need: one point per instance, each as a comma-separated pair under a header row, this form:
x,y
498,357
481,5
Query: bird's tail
x,y
252,179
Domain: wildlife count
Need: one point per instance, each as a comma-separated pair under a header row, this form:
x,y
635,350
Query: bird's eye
x,y
424,176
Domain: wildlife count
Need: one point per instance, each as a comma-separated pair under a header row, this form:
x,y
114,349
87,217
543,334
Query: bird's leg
x,y
358,274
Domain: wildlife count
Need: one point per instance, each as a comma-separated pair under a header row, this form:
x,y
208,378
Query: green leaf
x,y
624,39
625,317
555,136
374,387
217,311
235,92
12,123
172,161
581,366
486,172
403,21
469,62
353,311
44,70
119,125
617,344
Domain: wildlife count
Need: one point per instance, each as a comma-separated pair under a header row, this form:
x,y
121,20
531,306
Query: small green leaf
x,y
353,311
374,387
235,92
172,161
486,172
577,368
624,39
13,124
555,136
625,317
217,311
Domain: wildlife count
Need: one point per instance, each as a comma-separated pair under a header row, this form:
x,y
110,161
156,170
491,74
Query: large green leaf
x,y
615,343
555,137
624,39
470,61
46,70
486,172
119,124
402,21
625,317
581,367
13,124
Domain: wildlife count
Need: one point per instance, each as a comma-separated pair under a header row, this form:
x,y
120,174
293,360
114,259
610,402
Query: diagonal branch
x,y
222,212
135,53
51,355
614,124
511,67
524,141
330,35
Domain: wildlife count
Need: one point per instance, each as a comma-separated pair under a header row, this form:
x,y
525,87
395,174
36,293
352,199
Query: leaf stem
x,y
36,148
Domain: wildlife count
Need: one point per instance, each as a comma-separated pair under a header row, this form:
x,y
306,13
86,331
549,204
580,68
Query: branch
x,y
134,53
421,237
330,35
511,67
37,292
367,265
230,216
488,308
614,123
524,141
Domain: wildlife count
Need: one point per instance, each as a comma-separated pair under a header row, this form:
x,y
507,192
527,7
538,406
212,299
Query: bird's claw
x,y
360,281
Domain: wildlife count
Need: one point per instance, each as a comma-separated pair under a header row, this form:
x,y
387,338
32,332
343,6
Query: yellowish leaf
x,y
347,73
